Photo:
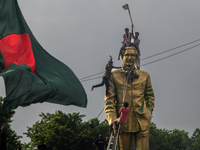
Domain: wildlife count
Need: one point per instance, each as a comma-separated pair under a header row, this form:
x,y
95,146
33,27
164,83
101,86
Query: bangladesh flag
x,y
32,75
125,7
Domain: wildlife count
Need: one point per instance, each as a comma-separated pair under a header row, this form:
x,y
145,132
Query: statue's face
x,y
130,57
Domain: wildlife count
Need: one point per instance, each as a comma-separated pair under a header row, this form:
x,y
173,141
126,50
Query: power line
x,y
171,55
147,63
142,59
91,75
100,113
171,49
91,79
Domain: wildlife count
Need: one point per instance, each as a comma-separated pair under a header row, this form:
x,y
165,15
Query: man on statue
x,y
133,86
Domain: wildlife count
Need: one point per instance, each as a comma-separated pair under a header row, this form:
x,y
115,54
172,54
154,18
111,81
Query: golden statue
x,y
133,86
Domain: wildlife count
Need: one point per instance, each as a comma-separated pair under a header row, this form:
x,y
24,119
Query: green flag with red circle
x,y
31,75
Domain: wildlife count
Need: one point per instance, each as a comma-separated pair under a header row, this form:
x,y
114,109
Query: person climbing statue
x,y
124,113
106,76
123,117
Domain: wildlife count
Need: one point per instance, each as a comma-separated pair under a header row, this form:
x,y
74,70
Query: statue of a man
x,y
133,86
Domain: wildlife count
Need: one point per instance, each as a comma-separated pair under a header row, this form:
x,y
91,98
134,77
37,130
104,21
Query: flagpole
x,y
130,16
127,8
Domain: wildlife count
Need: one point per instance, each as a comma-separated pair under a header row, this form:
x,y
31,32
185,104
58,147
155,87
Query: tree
x,y
159,138
195,140
26,146
162,139
179,139
65,131
13,138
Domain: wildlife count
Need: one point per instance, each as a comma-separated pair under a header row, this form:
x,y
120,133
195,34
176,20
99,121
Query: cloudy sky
x,y
83,33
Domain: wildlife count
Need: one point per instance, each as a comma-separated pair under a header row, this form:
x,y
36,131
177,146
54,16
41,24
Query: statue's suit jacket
x,y
139,95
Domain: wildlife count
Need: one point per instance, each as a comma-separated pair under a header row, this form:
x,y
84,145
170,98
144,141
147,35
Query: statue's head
x,y
129,56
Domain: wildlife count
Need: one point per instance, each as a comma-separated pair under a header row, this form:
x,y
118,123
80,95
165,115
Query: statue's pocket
x,y
139,86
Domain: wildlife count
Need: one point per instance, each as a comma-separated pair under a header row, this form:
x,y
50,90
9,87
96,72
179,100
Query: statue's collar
x,y
130,72
127,69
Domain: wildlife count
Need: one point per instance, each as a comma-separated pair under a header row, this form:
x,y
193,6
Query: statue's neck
x,y
132,67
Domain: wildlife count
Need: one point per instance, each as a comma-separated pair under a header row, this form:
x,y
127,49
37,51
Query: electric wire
x,y
91,79
146,58
171,49
149,62
91,75
171,55
100,113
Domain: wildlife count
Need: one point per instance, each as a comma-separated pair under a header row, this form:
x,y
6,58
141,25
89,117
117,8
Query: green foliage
x,y
26,146
13,138
179,139
195,140
68,131
161,139
64,131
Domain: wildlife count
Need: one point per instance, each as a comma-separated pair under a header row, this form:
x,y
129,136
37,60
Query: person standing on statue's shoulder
x,y
136,40
127,40
133,86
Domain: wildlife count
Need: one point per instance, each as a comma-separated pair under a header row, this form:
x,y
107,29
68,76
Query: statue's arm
x,y
110,106
149,95
116,67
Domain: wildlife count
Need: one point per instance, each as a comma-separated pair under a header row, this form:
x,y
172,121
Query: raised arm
x,y
132,30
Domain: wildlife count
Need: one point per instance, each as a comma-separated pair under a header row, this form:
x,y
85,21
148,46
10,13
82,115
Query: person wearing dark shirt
x,y
42,147
100,143
3,137
19,148
107,140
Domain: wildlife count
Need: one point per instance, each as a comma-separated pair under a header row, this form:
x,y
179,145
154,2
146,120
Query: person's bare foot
x,y
92,88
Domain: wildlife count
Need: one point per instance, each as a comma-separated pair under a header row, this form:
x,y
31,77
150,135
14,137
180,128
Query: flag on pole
x,y
125,7
31,75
